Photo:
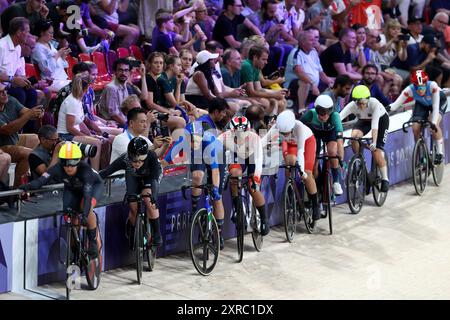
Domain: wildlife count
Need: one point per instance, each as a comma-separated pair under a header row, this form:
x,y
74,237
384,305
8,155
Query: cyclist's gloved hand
x,y
216,194
373,146
256,183
433,127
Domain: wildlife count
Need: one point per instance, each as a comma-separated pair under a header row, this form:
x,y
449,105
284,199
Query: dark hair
x,y
342,80
46,131
208,72
170,59
17,24
227,3
311,28
80,67
217,104
154,55
91,65
121,61
256,51
368,66
266,3
42,26
133,113
63,5
433,72
162,18
357,26
213,45
345,32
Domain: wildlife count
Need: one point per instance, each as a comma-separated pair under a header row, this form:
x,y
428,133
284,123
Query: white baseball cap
x,y
205,55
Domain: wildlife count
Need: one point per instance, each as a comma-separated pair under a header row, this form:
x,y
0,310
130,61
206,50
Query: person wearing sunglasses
x,y
372,116
143,174
327,127
429,99
83,187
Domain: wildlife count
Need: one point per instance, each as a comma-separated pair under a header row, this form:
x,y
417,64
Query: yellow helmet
x,y
70,154
361,92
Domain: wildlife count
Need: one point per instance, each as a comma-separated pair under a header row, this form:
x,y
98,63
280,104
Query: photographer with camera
x,y
71,116
138,127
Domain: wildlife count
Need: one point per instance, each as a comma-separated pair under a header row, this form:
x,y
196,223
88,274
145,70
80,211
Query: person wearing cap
x,y
422,54
415,29
83,187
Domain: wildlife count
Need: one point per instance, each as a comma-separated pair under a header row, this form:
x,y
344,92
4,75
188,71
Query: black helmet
x,y
137,148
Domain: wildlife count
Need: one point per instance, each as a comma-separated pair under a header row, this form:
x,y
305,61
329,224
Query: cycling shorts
x,y
422,112
290,148
75,200
383,129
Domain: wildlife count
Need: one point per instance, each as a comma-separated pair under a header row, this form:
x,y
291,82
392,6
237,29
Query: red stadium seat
x,y
32,70
123,53
103,76
84,57
136,52
71,61
111,57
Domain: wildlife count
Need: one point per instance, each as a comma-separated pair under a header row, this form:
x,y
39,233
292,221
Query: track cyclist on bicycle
x,y
326,126
143,173
371,115
428,98
247,154
82,188
298,144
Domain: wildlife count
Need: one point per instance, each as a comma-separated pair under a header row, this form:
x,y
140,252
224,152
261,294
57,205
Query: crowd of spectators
x,y
268,53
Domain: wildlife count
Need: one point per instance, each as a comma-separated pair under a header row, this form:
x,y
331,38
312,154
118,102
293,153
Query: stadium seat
x,y
103,77
84,57
111,56
71,62
123,53
136,52
32,70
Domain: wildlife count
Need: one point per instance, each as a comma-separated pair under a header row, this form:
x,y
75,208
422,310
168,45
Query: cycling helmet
x,y
361,92
419,78
70,154
240,123
286,121
137,149
324,104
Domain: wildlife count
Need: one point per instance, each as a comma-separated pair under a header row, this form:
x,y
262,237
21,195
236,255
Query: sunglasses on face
x,y
139,159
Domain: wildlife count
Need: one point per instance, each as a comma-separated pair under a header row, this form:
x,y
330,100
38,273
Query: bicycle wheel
x,y
256,228
290,210
420,167
378,196
150,250
240,217
356,182
437,170
93,267
326,199
204,242
69,259
139,247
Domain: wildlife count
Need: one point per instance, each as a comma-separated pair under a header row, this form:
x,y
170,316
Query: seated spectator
x,y
107,11
231,68
422,54
138,127
51,62
205,23
359,53
12,65
340,91
225,29
370,73
411,8
70,119
304,72
273,101
33,10
319,47
319,15
155,66
293,15
13,116
117,90
5,162
186,64
45,154
391,11
251,6
336,59
415,30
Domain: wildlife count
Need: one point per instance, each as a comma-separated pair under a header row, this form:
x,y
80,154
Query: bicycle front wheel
x,y
326,199
240,229
356,184
139,247
437,169
290,210
93,267
378,196
256,228
204,242
149,248
69,259
420,167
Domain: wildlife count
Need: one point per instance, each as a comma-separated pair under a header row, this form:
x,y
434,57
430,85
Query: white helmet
x,y
324,101
286,121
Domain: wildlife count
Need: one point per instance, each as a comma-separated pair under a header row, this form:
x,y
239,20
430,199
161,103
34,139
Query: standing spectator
x,y
12,65
51,62
71,116
33,10
163,41
336,59
13,116
225,29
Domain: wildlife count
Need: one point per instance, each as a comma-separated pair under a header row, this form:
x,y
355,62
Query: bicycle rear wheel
x,y
326,199
437,170
378,196
150,250
93,267
256,228
240,217
69,259
420,167
290,210
139,247
204,242
356,183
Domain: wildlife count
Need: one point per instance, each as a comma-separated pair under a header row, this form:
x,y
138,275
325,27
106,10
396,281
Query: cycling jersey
x,y
86,182
311,119
373,111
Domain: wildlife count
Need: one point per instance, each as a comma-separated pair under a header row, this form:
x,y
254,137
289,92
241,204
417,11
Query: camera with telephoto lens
x,y
87,150
159,129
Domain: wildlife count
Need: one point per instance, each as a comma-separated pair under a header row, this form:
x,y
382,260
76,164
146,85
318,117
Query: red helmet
x,y
419,78
240,123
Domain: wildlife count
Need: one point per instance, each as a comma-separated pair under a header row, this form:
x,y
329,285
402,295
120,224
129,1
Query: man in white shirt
x,y
138,127
12,65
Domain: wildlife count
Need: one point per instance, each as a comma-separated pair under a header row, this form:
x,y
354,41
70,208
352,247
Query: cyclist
x,y
247,154
428,98
371,115
82,188
143,173
298,144
326,126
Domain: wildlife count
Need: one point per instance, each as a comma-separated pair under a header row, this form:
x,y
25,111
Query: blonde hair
x,y
79,85
125,106
393,23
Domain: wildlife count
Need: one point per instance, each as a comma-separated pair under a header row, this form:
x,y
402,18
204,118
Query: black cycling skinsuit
x,y
85,185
